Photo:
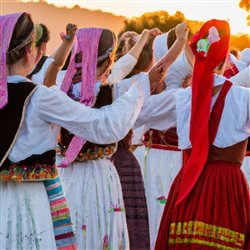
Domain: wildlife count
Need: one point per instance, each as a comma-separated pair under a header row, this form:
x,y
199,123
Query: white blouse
x,y
49,109
235,121
38,78
122,86
172,108
121,68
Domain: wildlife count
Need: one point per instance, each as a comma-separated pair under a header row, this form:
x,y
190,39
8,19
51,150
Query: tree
x,y
245,4
159,19
164,21
240,42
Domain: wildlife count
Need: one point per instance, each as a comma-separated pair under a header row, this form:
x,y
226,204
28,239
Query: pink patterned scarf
x,y
87,41
7,24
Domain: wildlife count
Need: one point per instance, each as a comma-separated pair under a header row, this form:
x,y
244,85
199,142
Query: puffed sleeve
x,y
106,125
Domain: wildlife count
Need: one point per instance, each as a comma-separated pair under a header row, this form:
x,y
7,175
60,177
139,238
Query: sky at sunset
x,y
201,10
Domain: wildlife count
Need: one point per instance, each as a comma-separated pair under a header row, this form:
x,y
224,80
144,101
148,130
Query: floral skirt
x,y
93,191
25,216
215,215
159,169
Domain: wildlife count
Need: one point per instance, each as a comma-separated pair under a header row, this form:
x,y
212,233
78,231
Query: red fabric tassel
x,y
202,84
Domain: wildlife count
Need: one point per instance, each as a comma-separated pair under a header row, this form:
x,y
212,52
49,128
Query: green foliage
x,y
159,19
164,21
240,42
245,4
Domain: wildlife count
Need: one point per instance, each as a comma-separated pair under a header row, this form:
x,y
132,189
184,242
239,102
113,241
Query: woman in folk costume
x,y
98,210
234,67
144,65
30,216
90,180
125,162
158,114
208,206
133,190
34,212
161,142
240,73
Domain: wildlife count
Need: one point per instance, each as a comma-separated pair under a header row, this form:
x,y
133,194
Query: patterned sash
x,y
60,214
36,167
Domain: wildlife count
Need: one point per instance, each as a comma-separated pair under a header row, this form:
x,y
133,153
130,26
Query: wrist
x,y
181,39
69,39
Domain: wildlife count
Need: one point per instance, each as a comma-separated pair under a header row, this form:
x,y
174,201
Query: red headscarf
x,y
202,84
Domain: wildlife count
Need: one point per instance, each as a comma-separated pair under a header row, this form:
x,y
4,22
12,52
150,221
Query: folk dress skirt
x,y
25,216
216,214
93,191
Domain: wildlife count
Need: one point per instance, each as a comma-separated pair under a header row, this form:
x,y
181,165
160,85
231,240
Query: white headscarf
x,y
245,56
239,64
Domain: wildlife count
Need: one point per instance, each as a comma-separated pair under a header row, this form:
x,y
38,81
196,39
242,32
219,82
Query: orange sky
x,y
201,10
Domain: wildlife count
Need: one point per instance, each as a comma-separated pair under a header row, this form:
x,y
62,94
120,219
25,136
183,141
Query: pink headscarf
x,y
7,24
87,41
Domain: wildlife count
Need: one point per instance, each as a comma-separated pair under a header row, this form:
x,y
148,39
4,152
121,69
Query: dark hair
x,y
45,37
220,65
121,44
22,30
171,38
235,52
105,42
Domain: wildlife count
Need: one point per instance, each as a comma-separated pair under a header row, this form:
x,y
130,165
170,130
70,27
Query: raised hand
x,y
70,32
181,31
154,32
159,70
60,55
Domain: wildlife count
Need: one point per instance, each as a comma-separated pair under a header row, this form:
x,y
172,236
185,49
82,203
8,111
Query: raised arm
x,y
60,55
145,36
159,70
189,54
127,62
105,125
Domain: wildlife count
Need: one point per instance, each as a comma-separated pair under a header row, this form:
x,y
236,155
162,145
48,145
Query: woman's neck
x,y
17,68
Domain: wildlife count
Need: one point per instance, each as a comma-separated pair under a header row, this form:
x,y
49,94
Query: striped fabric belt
x,y
63,230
